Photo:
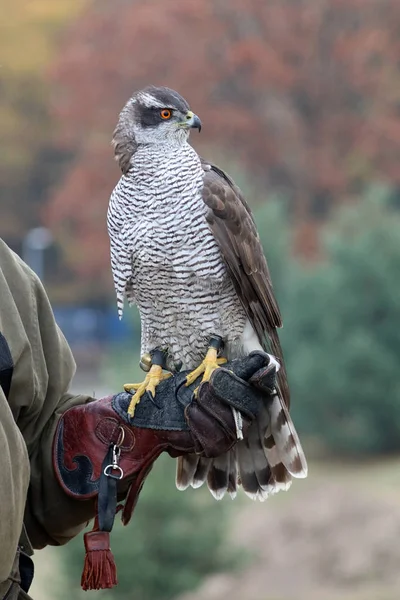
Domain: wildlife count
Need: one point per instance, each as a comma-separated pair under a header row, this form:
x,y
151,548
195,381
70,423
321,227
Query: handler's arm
x,y
14,480
43,369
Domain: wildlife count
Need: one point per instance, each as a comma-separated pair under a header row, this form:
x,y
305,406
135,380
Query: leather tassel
x,y
99,571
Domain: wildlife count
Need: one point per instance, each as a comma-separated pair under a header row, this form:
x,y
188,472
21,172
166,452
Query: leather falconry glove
x,y
102,454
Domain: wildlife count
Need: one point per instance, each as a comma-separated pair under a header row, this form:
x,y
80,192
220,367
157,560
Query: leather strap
x,y
107,498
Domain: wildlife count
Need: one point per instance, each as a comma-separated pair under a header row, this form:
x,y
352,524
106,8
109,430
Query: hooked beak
x,y
192,121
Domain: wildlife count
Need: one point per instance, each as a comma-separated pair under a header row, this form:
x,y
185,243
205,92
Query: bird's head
x,y
153,116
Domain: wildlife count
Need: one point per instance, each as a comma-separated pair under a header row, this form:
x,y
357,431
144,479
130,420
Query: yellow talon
x,y
151,381
209,364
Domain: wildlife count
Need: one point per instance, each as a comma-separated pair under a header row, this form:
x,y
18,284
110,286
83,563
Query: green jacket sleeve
x,y
43,369
14,479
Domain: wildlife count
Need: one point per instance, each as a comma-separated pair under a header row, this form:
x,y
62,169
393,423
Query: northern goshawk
x,y
185,250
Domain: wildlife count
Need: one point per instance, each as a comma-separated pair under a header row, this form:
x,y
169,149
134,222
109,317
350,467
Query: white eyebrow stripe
x,y
149,101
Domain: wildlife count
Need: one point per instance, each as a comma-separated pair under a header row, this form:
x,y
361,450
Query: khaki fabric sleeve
x,y
14,480
43,369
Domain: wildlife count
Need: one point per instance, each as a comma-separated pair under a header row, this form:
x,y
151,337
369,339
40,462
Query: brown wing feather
x,y
233,226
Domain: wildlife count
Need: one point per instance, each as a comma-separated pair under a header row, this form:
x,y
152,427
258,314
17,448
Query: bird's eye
x,y
166,114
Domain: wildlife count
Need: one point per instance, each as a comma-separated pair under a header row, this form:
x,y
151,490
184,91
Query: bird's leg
x,y
154,363
210,362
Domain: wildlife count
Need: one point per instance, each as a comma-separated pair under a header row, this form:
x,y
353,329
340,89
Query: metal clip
x,y
110,469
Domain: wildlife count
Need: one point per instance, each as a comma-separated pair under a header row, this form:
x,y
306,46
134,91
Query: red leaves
x,y
304,93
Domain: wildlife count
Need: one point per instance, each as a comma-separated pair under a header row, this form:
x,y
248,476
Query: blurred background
x,y
300,102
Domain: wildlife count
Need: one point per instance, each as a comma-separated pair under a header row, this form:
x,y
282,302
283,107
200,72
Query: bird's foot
x,y
151,381
209,364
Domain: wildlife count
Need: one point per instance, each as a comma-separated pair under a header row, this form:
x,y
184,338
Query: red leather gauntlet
x,y
99,452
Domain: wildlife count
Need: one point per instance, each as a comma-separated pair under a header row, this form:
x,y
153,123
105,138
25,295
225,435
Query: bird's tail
x,y
193,470
271,454
220,473
281,439
263,464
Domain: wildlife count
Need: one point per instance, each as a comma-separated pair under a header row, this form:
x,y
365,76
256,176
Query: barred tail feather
x,y
255,469
233,474
280,478
186,467
285,437
200,475
220,473
247,473
218,476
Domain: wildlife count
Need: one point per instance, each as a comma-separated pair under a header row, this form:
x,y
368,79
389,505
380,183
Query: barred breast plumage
x,y
166,260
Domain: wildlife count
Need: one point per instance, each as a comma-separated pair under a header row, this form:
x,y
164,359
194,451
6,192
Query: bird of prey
x,y
185,250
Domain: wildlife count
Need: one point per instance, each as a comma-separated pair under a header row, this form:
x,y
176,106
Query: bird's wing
x,y
233,226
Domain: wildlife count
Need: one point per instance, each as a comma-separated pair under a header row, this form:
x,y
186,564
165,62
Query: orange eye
x,y
166,113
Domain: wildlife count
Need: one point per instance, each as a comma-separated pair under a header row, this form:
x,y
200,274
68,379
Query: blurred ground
x,y
334,536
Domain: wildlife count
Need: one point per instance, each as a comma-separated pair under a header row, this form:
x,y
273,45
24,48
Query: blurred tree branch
x,y
304,94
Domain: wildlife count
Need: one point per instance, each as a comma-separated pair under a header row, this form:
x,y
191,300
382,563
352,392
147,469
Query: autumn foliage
x,y
28,32
304,95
